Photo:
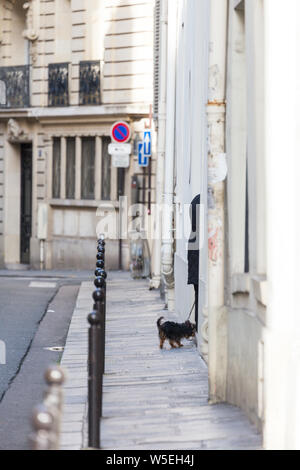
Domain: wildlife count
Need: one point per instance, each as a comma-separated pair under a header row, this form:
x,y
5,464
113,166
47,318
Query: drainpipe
x,y
217,171
168,197
161,144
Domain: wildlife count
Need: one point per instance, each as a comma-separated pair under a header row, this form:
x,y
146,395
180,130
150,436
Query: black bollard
x,y
94,381
100,305
99,299
100,264
100,256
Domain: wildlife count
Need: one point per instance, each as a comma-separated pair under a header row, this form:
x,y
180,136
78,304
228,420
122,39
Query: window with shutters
x,y
88,168
106,170
82,170
56,168
70,168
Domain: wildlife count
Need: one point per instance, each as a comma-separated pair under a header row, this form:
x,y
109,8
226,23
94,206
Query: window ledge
x,y
260,287
84,203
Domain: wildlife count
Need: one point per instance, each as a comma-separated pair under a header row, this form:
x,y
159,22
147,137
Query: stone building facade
x,y
69,69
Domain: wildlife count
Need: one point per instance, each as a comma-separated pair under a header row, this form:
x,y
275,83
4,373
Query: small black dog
x,y
174,332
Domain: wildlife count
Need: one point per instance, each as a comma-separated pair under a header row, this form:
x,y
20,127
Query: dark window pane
x,y
88,168
105,170
58,84
14,87
70,170
89,82
56,168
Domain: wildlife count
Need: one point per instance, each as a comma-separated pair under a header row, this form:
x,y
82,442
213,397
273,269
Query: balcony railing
x,y
58,84
14,87
89,82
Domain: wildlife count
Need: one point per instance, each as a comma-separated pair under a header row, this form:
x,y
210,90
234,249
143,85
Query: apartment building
x,y
69,69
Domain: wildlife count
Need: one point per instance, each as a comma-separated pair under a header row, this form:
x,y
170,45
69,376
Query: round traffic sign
x,y
120,132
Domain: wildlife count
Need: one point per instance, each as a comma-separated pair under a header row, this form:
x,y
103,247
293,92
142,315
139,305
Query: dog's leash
x,y
191,310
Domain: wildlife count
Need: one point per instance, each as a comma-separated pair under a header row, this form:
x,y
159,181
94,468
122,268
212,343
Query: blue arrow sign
x,y
142,159
147,144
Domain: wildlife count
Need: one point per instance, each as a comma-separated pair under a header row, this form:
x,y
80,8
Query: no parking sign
x,y
120,132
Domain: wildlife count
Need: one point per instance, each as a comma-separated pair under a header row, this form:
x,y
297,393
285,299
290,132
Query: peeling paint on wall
x,y
218,172
214,241
211,198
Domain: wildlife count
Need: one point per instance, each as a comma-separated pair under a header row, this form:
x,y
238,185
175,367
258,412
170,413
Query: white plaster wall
x,y
245,137
191,97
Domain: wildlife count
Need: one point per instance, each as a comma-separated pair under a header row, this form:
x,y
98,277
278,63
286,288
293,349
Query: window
x,y
56,169
58,84
89,82
106,170
82,170
88,168
70,168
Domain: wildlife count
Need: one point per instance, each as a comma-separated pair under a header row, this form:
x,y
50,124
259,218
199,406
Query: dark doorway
x,y
26,202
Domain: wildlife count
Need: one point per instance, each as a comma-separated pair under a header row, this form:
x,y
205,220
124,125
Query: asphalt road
x,y
34,315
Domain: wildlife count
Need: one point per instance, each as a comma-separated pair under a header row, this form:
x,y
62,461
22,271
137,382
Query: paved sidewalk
x,y
153,399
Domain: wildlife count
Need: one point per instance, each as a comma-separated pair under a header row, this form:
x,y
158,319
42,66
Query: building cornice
x,y
76,113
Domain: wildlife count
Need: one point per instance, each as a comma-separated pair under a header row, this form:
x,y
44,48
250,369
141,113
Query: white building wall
x,y
246,300
190,143
240,381
282,124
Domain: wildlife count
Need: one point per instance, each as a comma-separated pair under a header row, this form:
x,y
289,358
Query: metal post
x,y
43,436
46,417
94,382
100,282
53,397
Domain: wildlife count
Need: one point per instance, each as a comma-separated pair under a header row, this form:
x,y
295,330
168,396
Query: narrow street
x,y
35,312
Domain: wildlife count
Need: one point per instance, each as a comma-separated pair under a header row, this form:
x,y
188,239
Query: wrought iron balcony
x,y
89,77
58,84
14,87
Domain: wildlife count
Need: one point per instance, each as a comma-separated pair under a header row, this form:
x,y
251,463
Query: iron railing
x,y
58,84
14,87
89,82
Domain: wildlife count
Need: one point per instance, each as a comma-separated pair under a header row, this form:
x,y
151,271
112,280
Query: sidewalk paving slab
x,y
152,399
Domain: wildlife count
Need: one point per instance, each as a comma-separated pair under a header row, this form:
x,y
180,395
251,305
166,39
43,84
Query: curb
x,y
74,362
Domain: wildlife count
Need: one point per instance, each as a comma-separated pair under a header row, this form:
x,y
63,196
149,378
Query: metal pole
x,y
99,298
43,437
94,382
100,283
53,398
